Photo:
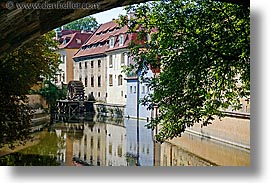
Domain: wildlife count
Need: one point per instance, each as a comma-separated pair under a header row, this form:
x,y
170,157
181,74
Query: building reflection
x,y
116,145
91,147
139,145
126,142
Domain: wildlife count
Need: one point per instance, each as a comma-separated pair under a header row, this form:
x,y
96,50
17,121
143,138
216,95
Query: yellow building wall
x,y
70,64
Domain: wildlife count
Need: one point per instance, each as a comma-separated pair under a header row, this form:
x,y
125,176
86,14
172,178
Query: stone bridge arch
x,y
18,26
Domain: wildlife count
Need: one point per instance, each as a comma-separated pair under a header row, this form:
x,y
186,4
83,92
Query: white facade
x,y
61,74
133,98
116,83
116,145
92,73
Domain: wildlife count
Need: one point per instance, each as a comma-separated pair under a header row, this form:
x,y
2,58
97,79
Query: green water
x,y
112,142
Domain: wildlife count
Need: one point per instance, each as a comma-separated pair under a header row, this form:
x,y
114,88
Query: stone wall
x,y
230,129
37,101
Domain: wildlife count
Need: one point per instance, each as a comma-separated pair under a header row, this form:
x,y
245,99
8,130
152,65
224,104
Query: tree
x,y
202,48
19,71
52,93
86,23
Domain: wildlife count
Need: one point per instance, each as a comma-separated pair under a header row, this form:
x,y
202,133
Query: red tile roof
x,y
98,43
72,40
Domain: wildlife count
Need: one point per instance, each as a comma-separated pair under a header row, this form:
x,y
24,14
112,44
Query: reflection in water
x,y
105,142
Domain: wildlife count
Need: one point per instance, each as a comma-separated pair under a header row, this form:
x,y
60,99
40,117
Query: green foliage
x,y
86,23
52,93
19,71
202,48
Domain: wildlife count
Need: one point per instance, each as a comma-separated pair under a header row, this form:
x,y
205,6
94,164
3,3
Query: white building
x,y
100,61
116,85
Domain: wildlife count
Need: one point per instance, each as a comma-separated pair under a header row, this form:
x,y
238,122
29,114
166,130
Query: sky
x,y
108,15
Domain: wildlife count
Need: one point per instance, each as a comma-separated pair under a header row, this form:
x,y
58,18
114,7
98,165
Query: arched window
x,y
120,79
80,67
92,64
92,81
99,63
86,81
110,61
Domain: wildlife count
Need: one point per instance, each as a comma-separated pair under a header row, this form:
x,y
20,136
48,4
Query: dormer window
x,y
121,39
78,41
112,42
66,40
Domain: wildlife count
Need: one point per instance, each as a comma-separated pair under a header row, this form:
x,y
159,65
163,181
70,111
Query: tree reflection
x,y
19,159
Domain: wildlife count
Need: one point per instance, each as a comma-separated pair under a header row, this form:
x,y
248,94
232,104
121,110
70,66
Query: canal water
x,y
102,141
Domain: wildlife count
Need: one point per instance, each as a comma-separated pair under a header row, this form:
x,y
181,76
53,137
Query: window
x,y
86,81
119,150
99,81
80,67
135,89
78,41
85,65
98,145
131,89
92,64
121,39
98,96
99,63
110,61
120,80
112,42
80,79
92,81
121,93
110,148
122,61
110,80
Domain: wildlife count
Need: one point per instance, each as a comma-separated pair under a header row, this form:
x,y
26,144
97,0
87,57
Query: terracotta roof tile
x,y
73,40
100,38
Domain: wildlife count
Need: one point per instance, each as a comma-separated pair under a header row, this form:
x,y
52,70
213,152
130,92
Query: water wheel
x,y
75,91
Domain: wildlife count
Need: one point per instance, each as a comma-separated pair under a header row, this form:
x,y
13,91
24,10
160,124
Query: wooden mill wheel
x,y
75,91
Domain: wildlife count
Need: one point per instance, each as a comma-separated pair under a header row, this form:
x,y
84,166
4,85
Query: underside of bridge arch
x,y
18,26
